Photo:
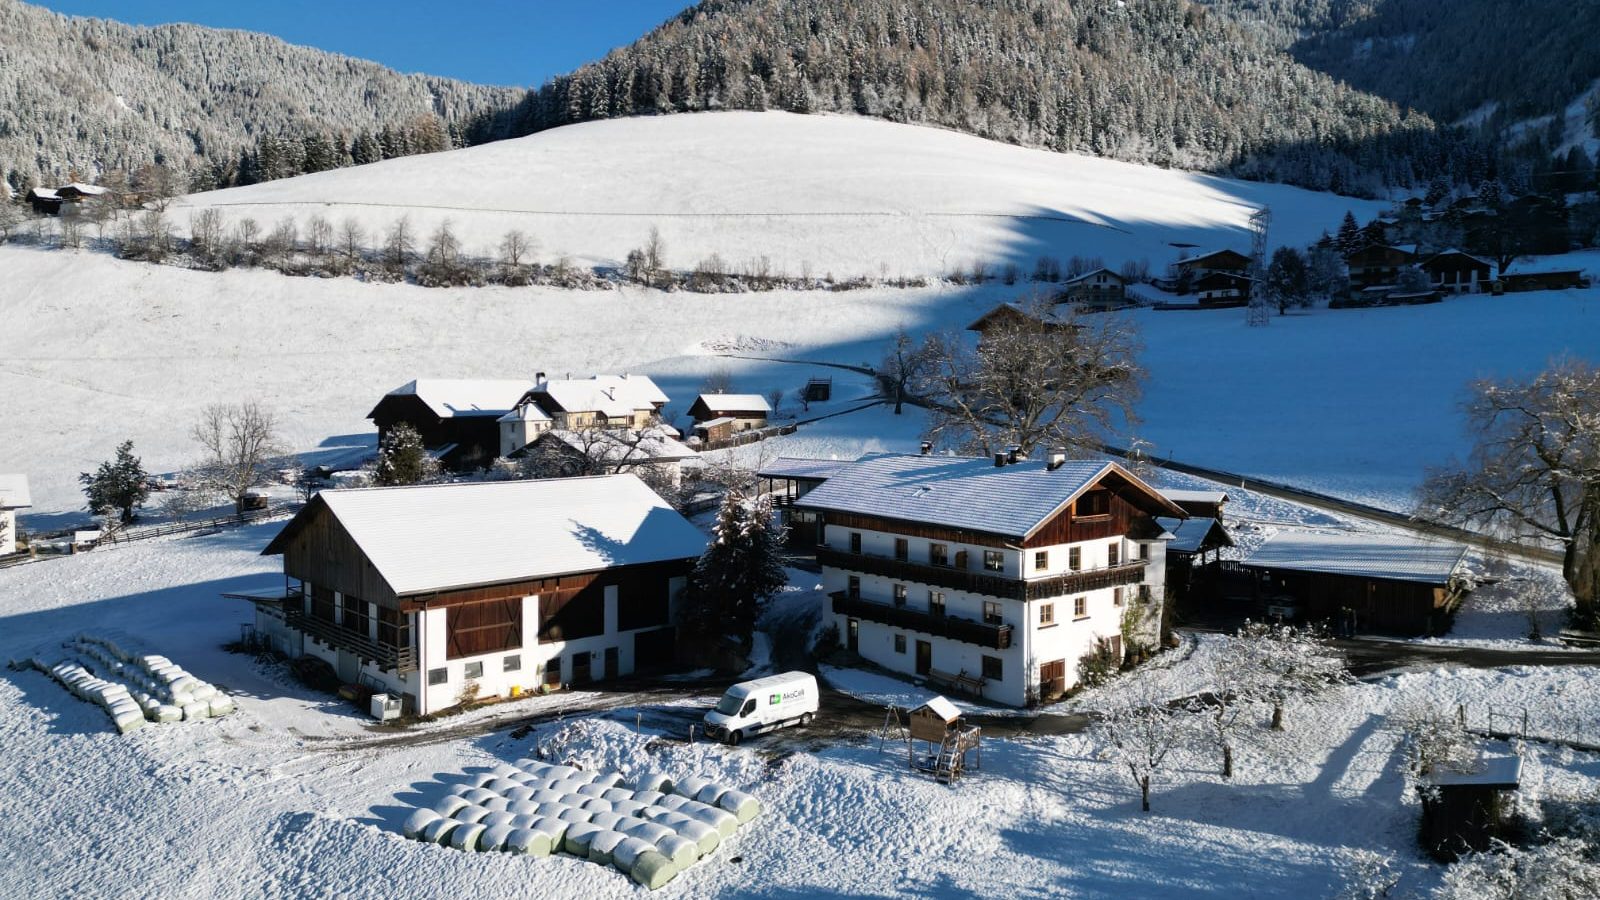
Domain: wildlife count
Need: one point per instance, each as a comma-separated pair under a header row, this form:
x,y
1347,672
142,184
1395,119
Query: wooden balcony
x,y
995,637
985,583
398,659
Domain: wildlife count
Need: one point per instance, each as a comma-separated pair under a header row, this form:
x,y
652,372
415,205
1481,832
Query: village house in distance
x,y
993,576
508,585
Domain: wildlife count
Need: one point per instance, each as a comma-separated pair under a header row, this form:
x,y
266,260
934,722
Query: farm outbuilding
x,y
747,411
1373,582
787,479
14,495
1463,811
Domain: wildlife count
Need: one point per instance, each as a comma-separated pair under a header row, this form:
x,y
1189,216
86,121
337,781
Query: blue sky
x,y
489,41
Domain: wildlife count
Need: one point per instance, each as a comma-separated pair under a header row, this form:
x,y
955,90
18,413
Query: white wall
x,y
8,531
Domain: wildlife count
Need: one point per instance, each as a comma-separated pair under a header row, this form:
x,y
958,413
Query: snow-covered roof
x,y
963,492
735,403
1188,261
88,190
622,445
1049,317
1189,535
1361,556
1526,269
1455,252
802,467
1189,496
1498,770
449,397
14,492
942,708
720,420
39,193
526,412
1088,275
614,396
439,537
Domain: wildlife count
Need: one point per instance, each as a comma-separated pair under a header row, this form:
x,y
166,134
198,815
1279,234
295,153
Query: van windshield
x,y
729,704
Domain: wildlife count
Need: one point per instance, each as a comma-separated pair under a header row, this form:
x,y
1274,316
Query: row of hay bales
x,y
133,689
649,830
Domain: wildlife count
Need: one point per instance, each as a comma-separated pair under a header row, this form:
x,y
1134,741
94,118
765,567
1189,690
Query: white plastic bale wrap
x,y
603,844
690,786
502,817
478,795
579,834
483,780
523,821
438,831
470,814
523,808
608,779
417,821
591,790
460,790
166,714
556,828
517,794
195,709
528,842
504,770
628,807
496,804
596,805
743,806
644,830
682,851
653,870
494,837
574,814
648,798
606,820
720,819
706,837
502,785
549,809
128,721
616,793
673,801
547,796
653,781
465,837
449,806
626,853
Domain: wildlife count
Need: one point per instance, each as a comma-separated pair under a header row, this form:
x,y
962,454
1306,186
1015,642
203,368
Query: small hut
x,y
945,741
1462,811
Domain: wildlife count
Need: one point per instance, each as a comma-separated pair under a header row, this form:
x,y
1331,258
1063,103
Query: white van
x,y
754,707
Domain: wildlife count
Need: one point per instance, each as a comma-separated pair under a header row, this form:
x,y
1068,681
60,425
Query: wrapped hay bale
x,y
682,851
653,781
653,870
579,834
466,835
720,819
606,820
690,786
528,842
549,809
483,780
529,764
608,779
460,790
673,802
574,815
648,798
573,800
556,828
628,852
479,794
652,832
628,807
417,821
221,705
502,786
206,692
743,806
591,790
569,772
522,821
520,795
166,713
195,709
603,844
470,814
496,804
494,838
504,770
596,805
497,818
523,808
616,793
705,837
128,721
450,805
710,794
438,831
547,795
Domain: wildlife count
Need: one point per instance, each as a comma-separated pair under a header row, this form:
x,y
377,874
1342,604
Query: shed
x,y
1379,583
1463,810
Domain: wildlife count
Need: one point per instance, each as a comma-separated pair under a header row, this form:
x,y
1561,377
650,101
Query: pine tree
x,y
403,459
1350,239
119,485
741,569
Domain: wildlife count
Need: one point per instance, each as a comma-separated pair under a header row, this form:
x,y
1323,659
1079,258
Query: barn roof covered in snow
x,y
14,492
1177,495
611,395
1361,556
451,397
742,403
802,468
428,538
962,492
1190,535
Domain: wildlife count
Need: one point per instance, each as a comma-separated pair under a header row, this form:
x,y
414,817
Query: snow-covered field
x,y
293,795
841,194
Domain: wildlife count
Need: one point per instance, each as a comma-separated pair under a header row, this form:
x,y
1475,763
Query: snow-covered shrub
x,y
1562,869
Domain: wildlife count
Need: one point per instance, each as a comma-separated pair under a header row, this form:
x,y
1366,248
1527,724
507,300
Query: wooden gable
x,y
316,548
1123,502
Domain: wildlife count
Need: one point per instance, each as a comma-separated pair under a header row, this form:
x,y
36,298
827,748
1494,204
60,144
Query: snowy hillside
x,y
846,195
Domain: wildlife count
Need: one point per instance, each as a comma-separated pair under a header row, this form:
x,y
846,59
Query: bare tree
x,y
515,247
205,232
319,235
1044,378
155,185
70,232
284,239
655,254
398,244
10,217
904,363
1238,681
249,234
351,236
239,446
718,381
1534,468
1141,730
1296,663
775,400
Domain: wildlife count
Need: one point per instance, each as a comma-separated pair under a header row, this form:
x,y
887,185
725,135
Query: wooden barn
x,y
507,586
1388,585
459,420
1463,811
1215,261
1204,504
748,411
1455,272
1223,289
1193,541
1013,314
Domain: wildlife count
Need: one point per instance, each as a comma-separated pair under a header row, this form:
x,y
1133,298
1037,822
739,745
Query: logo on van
x,y
774,700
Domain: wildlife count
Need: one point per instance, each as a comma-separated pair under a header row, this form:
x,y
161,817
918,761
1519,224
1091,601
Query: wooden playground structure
x,y
938,742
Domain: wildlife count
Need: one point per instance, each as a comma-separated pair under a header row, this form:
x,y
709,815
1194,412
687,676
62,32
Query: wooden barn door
x,y
1053,678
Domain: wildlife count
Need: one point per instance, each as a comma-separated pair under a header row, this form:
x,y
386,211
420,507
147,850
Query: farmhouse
x,y
1377,265
1100,289
606,401
748,411
420,591
13,496
1214,261
1013,314
1389,584
66,200
457,419
995,577
1192,540
1455,272
1222,289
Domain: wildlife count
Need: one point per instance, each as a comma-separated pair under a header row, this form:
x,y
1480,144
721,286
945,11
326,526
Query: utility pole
x,y
1258,313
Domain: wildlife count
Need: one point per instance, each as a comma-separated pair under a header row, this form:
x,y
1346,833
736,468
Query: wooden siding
x,y
488,626
1069,528
323,553
858,522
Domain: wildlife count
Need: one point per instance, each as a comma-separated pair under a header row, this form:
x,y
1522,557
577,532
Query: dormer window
x,y
1094,503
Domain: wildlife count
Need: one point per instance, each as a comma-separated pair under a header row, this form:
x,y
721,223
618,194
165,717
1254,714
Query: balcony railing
x,y
995,637
985,583
399,659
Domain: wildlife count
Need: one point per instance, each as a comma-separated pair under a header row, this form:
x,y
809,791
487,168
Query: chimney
x,y
538,381
1058,458
1014,454
927,447
999,460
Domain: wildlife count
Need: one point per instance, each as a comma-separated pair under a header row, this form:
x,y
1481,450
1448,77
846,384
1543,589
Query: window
x,y
438,676
474,670
1094,503
1080,607
855,542
1075,558
993,668
991,612
1113,553
899,595
1144,551
1116,597
899,643
936,602
854,587
1041,560
513,663
902,549
939,554
1047,614
994,560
